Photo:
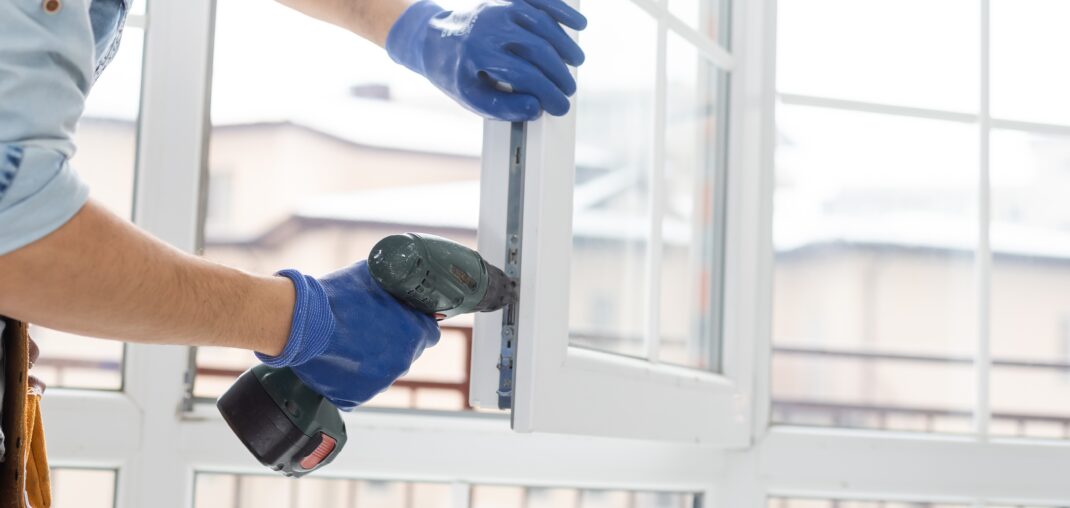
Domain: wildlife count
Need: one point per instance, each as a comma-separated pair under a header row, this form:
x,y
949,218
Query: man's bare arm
x,y
100,276
370,19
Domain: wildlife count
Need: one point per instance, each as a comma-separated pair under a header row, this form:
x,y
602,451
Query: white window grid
x,y
984,123
156,446
157,440
716,407
979,469
723,63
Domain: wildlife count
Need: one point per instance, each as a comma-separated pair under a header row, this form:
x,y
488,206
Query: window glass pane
x,y
883,51
107,145
107,134
1028,38
311,167
82,488
781,502
690,262
74,361
874,297
709,17
488,496
1030,321
495,496
214,490
138,7
614,157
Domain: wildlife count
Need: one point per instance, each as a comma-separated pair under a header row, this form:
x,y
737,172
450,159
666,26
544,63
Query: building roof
x,y
375,122
446,205
455,206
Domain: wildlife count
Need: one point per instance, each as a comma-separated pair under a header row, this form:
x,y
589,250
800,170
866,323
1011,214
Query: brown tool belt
x,y
19,354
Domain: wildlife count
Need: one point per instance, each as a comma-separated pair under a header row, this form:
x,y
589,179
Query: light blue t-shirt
x,y
49,60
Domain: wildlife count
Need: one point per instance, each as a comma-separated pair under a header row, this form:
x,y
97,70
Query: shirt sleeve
x,y
42,194
46,69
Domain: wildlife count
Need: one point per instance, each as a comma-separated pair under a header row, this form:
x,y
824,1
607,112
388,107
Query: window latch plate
x,y
514,235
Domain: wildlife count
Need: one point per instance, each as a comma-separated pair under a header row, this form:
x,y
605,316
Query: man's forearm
x,y
100,276
370,19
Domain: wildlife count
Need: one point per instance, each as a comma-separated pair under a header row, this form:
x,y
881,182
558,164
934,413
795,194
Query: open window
x,y
617,215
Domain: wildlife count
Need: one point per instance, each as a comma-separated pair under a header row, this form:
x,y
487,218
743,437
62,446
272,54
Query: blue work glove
x,y
349,339
478,55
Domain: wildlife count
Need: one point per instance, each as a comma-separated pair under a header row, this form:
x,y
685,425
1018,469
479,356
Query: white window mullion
x,y
1032,127
760,53
168,204
740,485
461,494
983,361
656,212
872,107
792,99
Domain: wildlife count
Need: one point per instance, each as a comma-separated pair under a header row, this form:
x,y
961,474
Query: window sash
x,y
157,438
563,388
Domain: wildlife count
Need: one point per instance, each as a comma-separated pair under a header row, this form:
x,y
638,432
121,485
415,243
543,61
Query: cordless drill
x,y
292,429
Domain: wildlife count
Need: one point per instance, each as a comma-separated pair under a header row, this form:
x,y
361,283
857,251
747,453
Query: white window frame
x,y
560,388
830,463
157,447
157,444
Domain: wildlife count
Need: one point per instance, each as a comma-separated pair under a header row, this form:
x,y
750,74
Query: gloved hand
x,y
470,54
349,339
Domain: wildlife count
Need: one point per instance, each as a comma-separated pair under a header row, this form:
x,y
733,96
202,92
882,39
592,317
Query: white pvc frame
x,y
567,389
156,448
976,470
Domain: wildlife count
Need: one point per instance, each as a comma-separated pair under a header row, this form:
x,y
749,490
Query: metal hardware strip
x,y
514,224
